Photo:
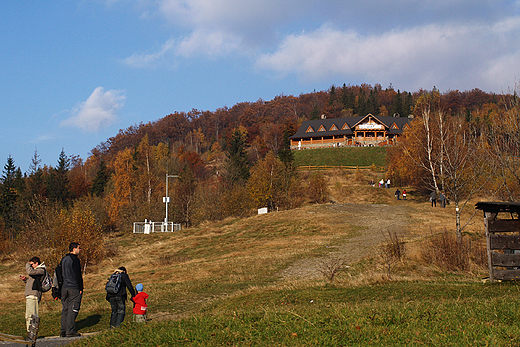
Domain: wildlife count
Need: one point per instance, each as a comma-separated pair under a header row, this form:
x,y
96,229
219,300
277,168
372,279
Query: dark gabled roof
x,y
496,207
394,125
326,124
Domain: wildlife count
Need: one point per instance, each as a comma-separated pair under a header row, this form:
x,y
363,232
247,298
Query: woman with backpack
x,y
116,295
33,287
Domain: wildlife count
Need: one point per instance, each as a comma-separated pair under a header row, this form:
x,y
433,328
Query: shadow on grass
x,y
88,322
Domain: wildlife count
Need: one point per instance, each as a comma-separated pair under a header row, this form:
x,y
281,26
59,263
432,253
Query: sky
x,y
75,72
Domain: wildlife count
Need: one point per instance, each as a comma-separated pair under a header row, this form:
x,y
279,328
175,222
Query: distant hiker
x,y
404,194
381,183
397,193
442,199
118,300
433,198
388,183
71,291
140,306
33,287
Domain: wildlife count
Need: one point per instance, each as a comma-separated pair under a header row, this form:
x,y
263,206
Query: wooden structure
x,y
32,334
369,130
503,239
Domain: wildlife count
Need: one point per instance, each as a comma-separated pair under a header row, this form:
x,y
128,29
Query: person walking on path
x,y
433,198
33,287
140,306
397,193
442,199
71,292
118,300
404,194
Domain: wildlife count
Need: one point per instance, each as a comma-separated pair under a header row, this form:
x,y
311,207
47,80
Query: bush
x,y
391,251
317,190
443,251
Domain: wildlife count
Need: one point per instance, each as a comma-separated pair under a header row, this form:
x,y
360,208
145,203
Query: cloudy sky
x,y
72,73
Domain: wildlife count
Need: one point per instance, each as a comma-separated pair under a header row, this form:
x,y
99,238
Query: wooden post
x,y
488,216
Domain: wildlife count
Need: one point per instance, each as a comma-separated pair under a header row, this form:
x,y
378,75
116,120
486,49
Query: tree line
x,y
229,162
468,155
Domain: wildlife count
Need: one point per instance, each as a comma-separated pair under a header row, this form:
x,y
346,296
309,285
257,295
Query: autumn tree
x,y
79,184
121,196
504,150
79,225
317,189
274,184
464,169
448,155
184,199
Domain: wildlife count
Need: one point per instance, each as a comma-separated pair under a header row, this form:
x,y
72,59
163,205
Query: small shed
x,y
502,224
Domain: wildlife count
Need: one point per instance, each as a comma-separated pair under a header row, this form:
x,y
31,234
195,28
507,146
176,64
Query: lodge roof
x,y
497,207
345,126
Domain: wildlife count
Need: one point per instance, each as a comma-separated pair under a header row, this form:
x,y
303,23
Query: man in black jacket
x,y
118,300
71,291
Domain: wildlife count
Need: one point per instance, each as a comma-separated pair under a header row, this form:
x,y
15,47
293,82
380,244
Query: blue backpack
x,y
114,283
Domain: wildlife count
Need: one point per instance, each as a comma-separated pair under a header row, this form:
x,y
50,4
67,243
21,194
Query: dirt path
x,y
374,223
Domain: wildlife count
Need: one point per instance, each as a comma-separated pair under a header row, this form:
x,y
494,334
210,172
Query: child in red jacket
x,y
140,306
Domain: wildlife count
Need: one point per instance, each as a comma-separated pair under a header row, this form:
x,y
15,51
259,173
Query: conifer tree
x,y
58,185
237,166
101,180
10,190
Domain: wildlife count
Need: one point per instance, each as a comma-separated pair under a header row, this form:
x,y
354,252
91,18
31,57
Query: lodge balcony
x,y
342,142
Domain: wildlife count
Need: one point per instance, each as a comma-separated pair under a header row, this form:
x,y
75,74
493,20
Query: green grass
x,y
399,313
348,156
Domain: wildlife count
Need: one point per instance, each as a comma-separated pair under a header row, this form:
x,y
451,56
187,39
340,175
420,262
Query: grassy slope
x,y
221,284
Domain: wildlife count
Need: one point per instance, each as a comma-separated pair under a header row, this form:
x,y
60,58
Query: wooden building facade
x,y
352,131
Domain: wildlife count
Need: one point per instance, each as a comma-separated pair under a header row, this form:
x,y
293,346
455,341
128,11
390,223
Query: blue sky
x,y
73,73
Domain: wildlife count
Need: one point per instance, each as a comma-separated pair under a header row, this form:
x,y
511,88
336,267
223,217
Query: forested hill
x,y
228,163
265,121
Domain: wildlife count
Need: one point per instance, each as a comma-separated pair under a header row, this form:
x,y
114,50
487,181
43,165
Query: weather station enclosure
x,y
148,227
503,239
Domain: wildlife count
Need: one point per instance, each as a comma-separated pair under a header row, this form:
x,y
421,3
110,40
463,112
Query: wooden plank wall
x,y
503,239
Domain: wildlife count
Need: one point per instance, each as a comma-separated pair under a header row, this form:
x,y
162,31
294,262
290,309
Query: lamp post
x,y
166,199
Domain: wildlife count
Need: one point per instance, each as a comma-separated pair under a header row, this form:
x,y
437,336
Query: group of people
x,y
442,199
384,183
398,194
71,293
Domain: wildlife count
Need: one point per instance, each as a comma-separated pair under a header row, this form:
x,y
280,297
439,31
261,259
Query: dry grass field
x,y
186,271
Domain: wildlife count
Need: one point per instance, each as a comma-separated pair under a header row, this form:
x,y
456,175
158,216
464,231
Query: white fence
x,y
155,227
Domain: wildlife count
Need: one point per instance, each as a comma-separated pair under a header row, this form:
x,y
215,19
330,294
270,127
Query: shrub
x,y
332,266
391,251
442,250
317,187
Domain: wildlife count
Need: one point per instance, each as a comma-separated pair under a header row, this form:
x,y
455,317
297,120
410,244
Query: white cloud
x,y
213,43
418,57
149,60
416,42
99,111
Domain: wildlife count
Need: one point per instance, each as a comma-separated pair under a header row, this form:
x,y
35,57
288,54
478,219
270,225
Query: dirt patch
x,y
373,223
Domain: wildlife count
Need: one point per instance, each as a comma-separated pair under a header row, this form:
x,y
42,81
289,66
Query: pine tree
x,y
11,187
59,181
237,164
285,154
101,180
